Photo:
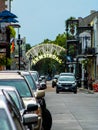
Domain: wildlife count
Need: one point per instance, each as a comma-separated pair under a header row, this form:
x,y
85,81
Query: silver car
x,y
66,84
10,118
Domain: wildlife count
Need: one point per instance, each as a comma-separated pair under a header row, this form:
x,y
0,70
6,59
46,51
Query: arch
x,y
42,51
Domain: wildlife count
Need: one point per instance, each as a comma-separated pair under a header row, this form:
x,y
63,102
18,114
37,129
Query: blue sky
x,y
45,19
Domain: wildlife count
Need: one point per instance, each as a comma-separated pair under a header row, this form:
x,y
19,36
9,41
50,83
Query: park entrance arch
x,y
42,51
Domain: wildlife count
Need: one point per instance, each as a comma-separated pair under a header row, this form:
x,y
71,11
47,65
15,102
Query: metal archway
x,y
44,51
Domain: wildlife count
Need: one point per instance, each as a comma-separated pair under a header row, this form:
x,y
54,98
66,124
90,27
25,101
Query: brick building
x,y
5,4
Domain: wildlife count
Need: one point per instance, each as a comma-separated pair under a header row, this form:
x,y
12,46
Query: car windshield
x,y
20,85
66,78
56,76
4,122
31,82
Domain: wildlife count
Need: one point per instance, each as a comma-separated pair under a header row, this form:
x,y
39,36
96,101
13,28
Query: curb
x,y
86,90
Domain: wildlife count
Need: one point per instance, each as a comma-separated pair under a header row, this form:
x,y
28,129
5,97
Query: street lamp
x,y
30,58
72,34
19,43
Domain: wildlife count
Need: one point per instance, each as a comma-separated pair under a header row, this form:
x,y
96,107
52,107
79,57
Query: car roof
x,y
9,75
57,75
66,76
10,88
66,73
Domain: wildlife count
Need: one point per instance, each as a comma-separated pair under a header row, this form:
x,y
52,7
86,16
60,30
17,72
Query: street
x,y
72,111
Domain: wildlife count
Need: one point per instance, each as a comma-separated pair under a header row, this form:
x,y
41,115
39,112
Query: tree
x,y
28,47
61,40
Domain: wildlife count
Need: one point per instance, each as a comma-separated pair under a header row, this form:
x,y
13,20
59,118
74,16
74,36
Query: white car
x,y
25,91
10,118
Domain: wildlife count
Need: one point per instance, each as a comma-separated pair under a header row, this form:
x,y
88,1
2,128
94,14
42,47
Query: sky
x,y
45,19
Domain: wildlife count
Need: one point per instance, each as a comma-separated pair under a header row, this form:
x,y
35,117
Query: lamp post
x,y
30,58
19,43
72,35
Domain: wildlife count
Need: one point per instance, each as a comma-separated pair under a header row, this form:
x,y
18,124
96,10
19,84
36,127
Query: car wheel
x,y
75,92
57,91
47,120
52,86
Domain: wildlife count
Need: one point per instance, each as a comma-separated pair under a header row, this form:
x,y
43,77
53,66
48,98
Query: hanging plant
x,y
12,31
72,29
85,62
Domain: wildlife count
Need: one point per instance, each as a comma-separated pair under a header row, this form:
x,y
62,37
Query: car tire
x,y
47,120
75,92
57,91
52,86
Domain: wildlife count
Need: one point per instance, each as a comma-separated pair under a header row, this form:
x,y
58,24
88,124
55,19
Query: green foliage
x,y
47,41
60,40
12,31
71,26
4,61
28,47
86,62
71,50
71,18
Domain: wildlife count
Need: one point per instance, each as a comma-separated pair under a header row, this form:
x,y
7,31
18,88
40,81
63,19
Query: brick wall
x,y
2,5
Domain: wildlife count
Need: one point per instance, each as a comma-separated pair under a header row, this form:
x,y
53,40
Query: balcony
x,y
89,51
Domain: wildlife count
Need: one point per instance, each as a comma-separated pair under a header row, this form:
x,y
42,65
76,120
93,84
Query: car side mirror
x,y
39,93
30,119
32,107
40,79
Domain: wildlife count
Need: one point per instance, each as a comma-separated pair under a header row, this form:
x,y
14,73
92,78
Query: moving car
x,y
67,74
66,84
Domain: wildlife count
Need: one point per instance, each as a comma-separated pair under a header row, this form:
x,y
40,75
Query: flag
x,y
12,46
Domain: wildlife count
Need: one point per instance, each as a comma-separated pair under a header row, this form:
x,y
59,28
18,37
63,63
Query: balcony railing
x,y
89,50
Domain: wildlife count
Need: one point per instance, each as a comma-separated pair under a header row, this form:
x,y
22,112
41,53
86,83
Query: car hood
x,y
30,100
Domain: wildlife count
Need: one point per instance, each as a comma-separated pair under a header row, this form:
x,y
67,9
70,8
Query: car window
x,y
15,98
14,111
4,122
34,76
70,78
56,76
20,85
31,82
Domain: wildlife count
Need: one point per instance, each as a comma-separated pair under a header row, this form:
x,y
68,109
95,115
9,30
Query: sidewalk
x,y
86,90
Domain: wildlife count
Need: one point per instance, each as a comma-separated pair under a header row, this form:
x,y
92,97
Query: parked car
x,y
15,96
27,75
46,115
25,91
54,80
10,118
43,82
35,76
66,83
